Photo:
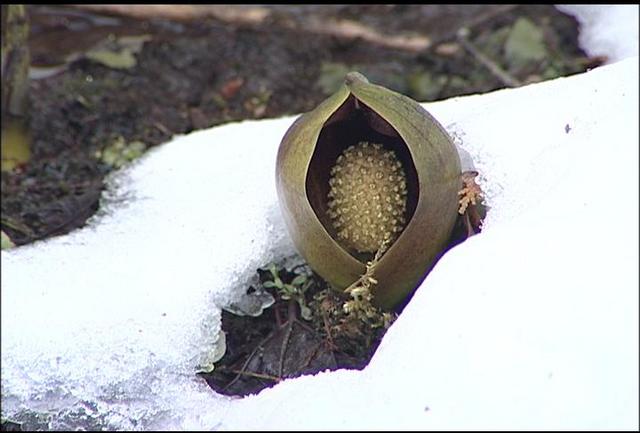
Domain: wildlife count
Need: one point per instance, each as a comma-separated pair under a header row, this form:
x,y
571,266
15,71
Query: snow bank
x,y
531,324
111,314
607,30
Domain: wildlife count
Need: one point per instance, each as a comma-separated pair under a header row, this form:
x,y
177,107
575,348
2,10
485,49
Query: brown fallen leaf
x,y
231,87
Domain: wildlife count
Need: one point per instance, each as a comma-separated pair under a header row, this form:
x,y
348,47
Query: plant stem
x,y
506,78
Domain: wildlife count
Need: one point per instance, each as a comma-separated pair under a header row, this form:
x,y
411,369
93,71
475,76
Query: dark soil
x,y
280,344
193,75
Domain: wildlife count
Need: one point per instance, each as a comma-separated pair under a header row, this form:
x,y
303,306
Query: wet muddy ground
x,y
102,82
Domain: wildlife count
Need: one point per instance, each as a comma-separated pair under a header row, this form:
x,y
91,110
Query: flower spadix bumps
x,y
369,168
367,197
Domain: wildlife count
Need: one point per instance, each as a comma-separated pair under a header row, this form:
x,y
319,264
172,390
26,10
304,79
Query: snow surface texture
x,y
111,320
531,324
607,30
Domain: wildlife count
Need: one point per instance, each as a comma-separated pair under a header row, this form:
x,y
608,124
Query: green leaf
x,y
269,284
292,290
118,53
306,285
273,270
5,241
525,43
299,280
114,59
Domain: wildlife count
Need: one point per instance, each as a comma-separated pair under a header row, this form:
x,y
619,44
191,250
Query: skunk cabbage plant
x,y
369,169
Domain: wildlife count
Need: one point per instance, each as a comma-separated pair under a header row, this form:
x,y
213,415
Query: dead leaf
x,y
231,87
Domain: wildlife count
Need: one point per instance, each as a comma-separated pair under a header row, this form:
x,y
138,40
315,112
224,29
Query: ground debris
x,y
279,344
180,83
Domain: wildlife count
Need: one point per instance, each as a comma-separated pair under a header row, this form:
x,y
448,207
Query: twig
x,y
162,128
313,354
287,336
327,329
367,277
255,15
248,360
506,78
276,313
228,13
477,20
349,29
256,375
242,370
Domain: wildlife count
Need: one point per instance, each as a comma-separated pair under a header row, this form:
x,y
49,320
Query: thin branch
x,y
506,78
243,369
349,29
226,13
256,375
255,15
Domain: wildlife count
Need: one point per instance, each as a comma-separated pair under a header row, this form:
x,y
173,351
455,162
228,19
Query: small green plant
x,y
294,290
119,152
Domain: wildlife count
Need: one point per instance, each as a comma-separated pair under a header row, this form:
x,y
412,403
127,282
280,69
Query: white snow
x,y
607,30
127,306
533,324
